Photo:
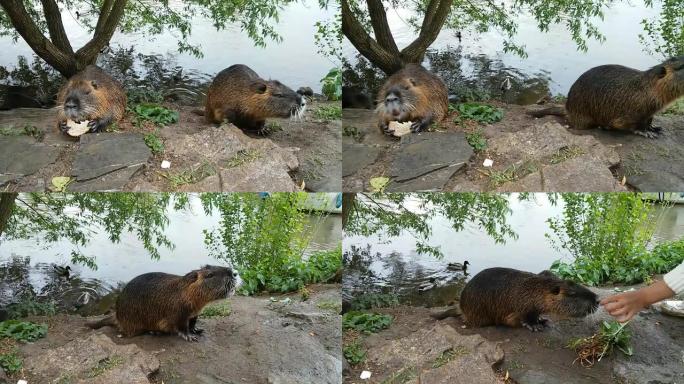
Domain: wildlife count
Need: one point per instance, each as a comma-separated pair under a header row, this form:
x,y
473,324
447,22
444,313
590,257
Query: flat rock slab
x,y
433,181
94,360
474,356
113,181
102,153
22,156
420,154
357,156
580,174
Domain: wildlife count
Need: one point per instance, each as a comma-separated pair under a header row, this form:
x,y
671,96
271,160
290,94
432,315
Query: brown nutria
x,y
240,96
621,98
412,94
505,296
161,302
91,95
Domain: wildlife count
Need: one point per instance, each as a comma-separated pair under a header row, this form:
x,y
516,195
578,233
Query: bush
x,y
10,362
482,113
155,144
155,113
332,84
354,352
22,330
608,235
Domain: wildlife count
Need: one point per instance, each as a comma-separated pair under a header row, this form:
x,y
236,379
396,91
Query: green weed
x,y
482,113
329,112
366,322
22,330
243,157
221,309
354,352
155,113
154,142
105,365
477,140
449,355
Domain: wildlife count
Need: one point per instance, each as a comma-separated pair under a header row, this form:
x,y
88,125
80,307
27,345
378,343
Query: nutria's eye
x,y
555,290
210,275
278,95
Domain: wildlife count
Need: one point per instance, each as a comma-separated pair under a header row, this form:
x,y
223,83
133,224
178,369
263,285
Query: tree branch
x,y
6,209
383,34
55,26
435,17
368,47
112,12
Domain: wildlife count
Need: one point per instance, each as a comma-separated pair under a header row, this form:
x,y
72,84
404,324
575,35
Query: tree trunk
x,y
6,209
57,50
382,50
348,203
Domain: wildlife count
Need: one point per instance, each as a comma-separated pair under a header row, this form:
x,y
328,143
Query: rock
x,y
95,360
356,157
433,181
3,377
103,153
474,356
420,154
579,174
21,156
113,181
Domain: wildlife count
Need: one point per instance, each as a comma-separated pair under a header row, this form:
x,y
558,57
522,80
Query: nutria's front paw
x,y
649,134
538,327
94,126
188,337
197,331
417,126
63,126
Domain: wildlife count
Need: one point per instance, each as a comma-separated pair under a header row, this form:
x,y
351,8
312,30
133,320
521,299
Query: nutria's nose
x,y
235,274
391,99
71,104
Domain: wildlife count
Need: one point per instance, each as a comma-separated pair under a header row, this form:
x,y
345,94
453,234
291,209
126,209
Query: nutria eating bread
x,y
91,95
240,96
412,94
621,98
505,296
161,302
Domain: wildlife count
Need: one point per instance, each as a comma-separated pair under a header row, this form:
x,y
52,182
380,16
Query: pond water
x,y
394,266
294,61
26,266
554,62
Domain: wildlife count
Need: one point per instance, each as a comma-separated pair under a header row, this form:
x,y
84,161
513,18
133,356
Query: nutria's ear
x,y
192,276
259,87
556,289
661,71
546,273
94,84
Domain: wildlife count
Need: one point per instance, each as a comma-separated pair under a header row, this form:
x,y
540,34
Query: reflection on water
x,y
552,56
27,268
294,61
377,266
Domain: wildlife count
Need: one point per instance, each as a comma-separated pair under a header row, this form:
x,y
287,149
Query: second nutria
x,y
412,94
622,98
505,296
240,96
91,95
161,302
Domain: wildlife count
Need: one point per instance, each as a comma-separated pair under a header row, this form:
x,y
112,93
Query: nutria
x,y
91,95
621,98
240,96
505,296
412,94
161,302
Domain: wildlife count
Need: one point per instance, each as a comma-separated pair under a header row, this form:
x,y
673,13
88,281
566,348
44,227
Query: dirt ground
x,y
542,357
262,340
298,154
623,160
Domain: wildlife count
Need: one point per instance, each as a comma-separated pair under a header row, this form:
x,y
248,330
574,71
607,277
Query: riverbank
x,y
527,153
262,340
412,350
299,154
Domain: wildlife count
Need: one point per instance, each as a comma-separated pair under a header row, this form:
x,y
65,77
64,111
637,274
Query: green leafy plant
x,y
365,322
611,335
329,112
449,355
22,330
221,309
10,361
354,352
477,140
608,237
105,365
482,113
30,307
155,113
332,84
155,143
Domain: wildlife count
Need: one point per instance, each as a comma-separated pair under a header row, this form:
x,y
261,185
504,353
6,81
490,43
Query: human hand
x,y
625,305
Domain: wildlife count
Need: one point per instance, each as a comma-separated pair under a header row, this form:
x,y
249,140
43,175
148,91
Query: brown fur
x,y
423,96
101,98
621,98
504,296
240,96
160,302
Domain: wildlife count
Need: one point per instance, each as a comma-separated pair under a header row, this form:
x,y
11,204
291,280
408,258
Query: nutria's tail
x,y
199,112
109,320
451,312
555,110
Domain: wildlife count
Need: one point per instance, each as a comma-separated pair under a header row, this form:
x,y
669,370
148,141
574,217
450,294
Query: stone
x,y
113,181
3,377
94,360
22,156
420,154
475,356
103,153
579,174
433,181
356,157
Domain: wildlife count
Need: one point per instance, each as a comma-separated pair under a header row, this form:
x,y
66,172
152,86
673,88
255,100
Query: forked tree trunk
x,y
56,50
6,209
382,50
348,205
